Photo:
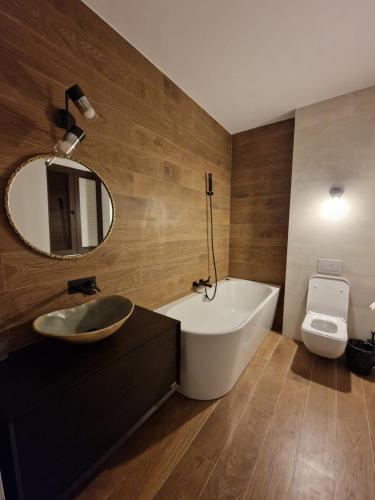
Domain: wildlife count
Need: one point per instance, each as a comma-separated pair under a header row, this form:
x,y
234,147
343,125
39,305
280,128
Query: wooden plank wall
x,y
261,179
151,143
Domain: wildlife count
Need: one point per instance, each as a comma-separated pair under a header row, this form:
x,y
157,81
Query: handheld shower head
x,y
210,222
209,185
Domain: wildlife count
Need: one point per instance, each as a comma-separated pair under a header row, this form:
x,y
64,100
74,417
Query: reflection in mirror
x,y
61,209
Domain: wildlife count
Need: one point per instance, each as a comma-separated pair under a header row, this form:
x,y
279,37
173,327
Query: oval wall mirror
x,y
63,209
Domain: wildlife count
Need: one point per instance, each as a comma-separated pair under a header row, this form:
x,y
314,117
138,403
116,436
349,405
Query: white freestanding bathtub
x,y
219,338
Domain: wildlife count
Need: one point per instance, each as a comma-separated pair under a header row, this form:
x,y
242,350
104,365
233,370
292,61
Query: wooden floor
x,y
295,426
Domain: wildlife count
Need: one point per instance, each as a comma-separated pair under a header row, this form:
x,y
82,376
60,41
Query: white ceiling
x,y
252,62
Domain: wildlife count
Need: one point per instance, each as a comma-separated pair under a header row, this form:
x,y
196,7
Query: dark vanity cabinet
x,y
64,407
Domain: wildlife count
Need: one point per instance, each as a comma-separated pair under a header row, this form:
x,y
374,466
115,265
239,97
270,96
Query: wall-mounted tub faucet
x,y
202,283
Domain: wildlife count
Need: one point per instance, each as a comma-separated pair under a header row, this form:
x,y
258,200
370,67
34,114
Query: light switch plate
x,y
329,266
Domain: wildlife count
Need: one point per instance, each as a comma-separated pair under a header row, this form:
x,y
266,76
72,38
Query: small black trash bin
x,y
360,356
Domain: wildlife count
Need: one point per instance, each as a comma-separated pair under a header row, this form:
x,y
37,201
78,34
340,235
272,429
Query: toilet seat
x,y
340,334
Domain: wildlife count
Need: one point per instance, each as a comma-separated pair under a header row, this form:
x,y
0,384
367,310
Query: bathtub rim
x,y
274,289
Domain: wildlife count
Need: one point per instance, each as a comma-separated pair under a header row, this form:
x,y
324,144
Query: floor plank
x,y
232,473
267,347
369,392
350,398
188,477
310,485
213,436
268,389
354,466
302,363
354,469
317,449
273,473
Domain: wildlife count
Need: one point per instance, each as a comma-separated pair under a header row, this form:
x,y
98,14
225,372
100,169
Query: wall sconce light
x,y
72,137
64,119
336,190
336,207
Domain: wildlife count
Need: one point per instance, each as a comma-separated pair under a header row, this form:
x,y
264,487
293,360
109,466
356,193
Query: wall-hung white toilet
x,y
324,329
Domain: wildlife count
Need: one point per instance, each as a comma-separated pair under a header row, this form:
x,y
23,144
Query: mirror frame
x,y
11,179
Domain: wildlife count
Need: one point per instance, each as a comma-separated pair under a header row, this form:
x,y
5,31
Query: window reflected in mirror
x,y
63,209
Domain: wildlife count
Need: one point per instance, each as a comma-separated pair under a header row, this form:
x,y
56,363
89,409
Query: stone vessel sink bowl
x,y
89,322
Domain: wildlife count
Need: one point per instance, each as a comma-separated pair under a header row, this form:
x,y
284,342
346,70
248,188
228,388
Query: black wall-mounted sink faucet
x,y
86,286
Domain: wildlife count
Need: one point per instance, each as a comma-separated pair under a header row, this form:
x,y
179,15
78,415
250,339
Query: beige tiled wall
x,y
334,143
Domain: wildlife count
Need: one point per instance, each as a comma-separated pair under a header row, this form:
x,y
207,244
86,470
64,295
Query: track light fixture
x,y
64,119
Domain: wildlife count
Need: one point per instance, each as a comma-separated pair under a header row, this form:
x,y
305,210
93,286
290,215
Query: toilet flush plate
x,y
330,266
